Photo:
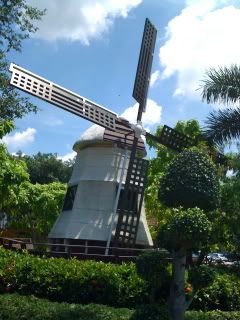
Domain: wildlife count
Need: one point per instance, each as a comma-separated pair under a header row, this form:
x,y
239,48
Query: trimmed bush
x,y
72,280
153,267
201,276
190,181
187,227
213,315
151,312
17,307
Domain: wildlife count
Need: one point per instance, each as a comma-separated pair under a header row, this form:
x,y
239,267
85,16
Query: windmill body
x,y
88,210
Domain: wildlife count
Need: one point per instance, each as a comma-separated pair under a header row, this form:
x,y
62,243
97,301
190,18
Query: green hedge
x,y
17,307
72,280
84,282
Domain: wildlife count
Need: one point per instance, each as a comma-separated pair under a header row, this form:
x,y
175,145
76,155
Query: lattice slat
x,y
145,64
131,203
173,139
61,97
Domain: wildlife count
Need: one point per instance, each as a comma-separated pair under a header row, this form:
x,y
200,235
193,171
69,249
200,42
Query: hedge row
x,y
76,281
71,280
17,307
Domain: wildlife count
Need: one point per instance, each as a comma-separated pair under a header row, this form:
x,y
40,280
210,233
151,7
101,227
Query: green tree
x,y
12,171
38,207
45,168
230,208
189,227
17,23
222,85
155,209
194,185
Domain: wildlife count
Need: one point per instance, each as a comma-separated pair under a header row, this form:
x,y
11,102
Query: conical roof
x,y
99,135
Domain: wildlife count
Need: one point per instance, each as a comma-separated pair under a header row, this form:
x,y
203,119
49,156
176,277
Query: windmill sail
x,y
129,215
144,67
61,97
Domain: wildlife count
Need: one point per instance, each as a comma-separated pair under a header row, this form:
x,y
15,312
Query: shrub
x,y
15,307
153,267
222,294
190,181
213,315
201,276
188,227
72,280
151,312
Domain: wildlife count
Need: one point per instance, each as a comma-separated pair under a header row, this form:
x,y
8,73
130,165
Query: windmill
x,y
128,202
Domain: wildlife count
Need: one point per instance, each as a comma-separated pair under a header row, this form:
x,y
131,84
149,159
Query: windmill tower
x,y
104,200
90,210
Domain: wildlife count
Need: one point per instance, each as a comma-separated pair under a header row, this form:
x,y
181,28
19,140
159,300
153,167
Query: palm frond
x,y
222,126
222,85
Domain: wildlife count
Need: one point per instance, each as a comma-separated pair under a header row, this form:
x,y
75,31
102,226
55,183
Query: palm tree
x,y
222,85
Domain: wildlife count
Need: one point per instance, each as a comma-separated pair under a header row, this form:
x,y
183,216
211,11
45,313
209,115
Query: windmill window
x,y
69,198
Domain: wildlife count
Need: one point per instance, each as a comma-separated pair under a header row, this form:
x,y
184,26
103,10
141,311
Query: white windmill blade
x,y
61,97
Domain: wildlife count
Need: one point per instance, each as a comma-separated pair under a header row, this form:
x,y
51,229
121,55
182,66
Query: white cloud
x,y
151,117
204,35
80,20
20,139
155,76
68,156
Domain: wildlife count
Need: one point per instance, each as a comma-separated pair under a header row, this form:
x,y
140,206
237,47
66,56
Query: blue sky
x,y
92,47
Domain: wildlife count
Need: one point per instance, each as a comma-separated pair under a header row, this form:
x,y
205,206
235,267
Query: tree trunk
x,y
177,300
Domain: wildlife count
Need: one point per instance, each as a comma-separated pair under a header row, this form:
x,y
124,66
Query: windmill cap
x,y
92,135
97,135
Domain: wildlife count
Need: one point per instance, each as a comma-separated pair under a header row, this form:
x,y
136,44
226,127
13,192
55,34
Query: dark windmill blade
x,y
144,67
61,97
172,139
131,202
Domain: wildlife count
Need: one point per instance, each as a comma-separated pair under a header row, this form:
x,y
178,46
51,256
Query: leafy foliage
x,y
201,276
15,307
230,206
151,312
152,267
45,168
185,228
190,181
222,126
12,173
5,127
16,19
222,294
156,211
222,85
72,280
37,207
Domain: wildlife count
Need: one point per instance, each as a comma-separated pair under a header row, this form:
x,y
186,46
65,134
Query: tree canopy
x,y
45,168
222,85
190,181
17,23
